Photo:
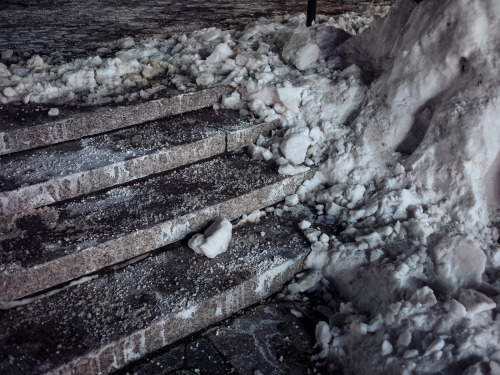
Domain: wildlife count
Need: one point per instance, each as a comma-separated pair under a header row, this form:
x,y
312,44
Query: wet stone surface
x,y
23,127
72,226
265,338
174,284
18,116
31,167
195,355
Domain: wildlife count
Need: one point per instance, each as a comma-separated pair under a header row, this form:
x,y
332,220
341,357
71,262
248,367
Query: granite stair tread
x,y
54,244
46,175
29,127
116,318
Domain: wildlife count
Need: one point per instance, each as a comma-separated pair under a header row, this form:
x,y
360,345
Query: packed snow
x,y
400,118
214,241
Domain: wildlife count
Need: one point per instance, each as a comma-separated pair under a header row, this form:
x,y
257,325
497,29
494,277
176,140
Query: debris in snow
x,y
214,241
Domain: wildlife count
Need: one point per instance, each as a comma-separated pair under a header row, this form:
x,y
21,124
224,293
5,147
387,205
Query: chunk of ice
x,y
214,241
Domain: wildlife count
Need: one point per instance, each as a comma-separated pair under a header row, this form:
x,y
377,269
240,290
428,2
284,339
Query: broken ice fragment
x,y
386,348
307,282
292,200
404,339
205,79
425,296
410,353
459,262
220,54
54,112
323,337
259,152
290,170
294,148
4,71
304,224
35,62
475,302
214,241
435,346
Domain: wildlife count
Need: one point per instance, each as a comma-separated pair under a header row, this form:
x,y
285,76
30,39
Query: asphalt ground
x,y
76,26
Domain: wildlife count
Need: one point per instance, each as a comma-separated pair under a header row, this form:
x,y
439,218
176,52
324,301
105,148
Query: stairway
x,y
95,209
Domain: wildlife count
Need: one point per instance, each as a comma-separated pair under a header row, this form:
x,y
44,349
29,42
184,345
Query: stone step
x,y
55,244
28,127
43,176
103,324
266,338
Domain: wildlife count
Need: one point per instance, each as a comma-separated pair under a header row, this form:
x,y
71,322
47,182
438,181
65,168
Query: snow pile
x,y
214,241
415,182
133,69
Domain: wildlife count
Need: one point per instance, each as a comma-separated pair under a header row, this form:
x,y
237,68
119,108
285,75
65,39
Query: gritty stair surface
x,y
58,243
39,177
110,321
24,128
265,337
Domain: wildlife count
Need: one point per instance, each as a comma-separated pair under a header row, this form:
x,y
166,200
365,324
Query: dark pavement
x,y
43,26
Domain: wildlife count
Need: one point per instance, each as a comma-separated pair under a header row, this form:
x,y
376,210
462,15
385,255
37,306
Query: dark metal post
x,y
311,12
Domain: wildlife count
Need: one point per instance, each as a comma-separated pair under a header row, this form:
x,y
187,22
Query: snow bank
x,y
424,146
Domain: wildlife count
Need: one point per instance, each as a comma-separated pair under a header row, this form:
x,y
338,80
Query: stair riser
x,y
22,283
176,326
101,120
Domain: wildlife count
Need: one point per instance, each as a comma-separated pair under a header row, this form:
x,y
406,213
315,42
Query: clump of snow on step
x,y
53,112
214,241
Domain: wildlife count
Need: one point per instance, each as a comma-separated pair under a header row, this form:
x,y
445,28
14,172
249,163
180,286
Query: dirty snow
x,y
401,122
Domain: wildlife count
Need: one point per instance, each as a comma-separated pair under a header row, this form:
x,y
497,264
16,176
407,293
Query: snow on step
x,y
39,177
28,128
58,243
104,324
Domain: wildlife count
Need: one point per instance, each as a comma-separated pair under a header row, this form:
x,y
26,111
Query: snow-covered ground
x,y
401,121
